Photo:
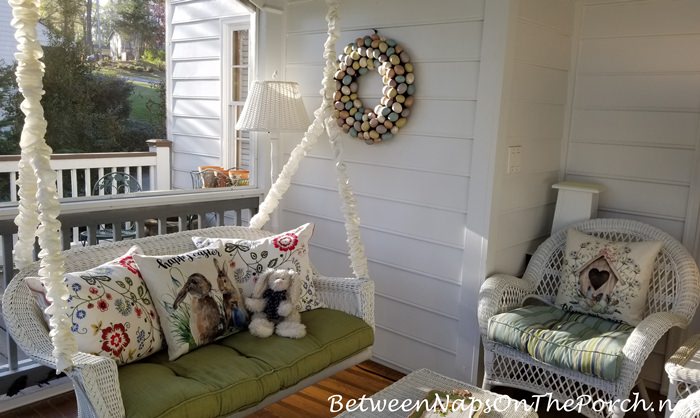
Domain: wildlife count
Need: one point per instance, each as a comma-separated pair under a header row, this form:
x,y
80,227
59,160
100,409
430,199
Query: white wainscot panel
x,y
540,45
194,126
525,190
197,107
196,145
521,226
678,91
305,16
190,162
642,18
536,120
636,127
636,162
203,68
197,49
553,13
417,323
401,285
413,355
651,54
633,196
539,84
196,30
415,255
460,42
423,221
437,154
398,184
196,88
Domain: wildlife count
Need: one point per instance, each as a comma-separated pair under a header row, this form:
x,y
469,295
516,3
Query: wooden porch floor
x,y
364,379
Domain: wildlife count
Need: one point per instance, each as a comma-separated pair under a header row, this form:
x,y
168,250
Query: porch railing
x,y
151,213
77,173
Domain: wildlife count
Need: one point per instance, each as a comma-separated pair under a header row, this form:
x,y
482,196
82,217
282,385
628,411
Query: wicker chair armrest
x,y
501,293
97,379
350,295
642,341
675,366
688,407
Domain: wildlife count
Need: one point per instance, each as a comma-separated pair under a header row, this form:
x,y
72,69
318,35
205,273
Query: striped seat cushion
x,y
569,340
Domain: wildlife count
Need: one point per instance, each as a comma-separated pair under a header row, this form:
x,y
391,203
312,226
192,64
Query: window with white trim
x,y
238,54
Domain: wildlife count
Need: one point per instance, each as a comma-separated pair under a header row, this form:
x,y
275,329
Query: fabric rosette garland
x,y
391,114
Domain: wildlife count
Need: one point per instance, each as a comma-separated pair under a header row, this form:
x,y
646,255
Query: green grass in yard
x,y
139,99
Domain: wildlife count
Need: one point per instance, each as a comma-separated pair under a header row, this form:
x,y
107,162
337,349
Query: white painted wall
x,y
413,191
7,38
195,85
533,113
634,117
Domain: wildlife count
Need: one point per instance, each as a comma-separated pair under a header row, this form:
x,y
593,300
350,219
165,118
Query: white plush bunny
x,y
274,305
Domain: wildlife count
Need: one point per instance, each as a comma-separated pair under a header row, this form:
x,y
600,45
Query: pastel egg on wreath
x,y
391,61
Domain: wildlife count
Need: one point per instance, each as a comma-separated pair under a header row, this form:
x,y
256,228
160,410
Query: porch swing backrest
x,y
666,292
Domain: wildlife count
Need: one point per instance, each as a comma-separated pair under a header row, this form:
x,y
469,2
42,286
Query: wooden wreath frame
x,y
394,66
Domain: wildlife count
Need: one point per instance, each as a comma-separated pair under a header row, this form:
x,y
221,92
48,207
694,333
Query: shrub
x,y
155,57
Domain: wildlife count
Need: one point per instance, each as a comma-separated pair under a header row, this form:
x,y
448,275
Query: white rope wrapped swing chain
x,y
39,206
323,121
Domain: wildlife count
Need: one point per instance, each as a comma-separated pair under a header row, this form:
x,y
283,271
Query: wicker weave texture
x,y
673,299
95,378
688,408
685,381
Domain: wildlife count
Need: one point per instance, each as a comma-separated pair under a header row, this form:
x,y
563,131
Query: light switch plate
x,y
514,159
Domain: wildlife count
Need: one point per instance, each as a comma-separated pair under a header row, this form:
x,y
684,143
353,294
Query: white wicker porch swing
x,y
95,379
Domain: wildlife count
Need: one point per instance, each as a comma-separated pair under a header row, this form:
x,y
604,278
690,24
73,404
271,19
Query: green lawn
x,y
139,99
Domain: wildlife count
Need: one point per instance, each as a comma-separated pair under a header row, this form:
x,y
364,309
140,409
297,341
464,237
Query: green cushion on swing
x,y
239,371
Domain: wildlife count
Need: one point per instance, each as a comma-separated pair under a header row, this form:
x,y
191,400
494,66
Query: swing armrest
x,y
96,380
350,295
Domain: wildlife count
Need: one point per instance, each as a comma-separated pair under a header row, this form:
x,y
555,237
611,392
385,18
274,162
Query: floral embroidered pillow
x,y
111,310
195,298
606,279
289,250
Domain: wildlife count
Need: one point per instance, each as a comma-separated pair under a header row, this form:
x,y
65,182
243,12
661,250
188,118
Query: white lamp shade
x,y
273,106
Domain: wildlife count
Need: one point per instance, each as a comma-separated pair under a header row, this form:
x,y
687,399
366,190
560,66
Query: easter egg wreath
x,y
394,66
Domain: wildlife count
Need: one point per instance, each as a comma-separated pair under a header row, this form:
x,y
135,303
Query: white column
x,y
163,172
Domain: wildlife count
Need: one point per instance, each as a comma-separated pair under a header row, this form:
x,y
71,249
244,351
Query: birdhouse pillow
x,y
606,279
195,298
248,259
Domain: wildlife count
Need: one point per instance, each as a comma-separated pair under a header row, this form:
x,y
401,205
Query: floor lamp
x,y
274,107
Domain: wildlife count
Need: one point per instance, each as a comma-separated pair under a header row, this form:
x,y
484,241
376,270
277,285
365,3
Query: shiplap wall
x,y
534,111
412,191
8,44
634,117
636,109
194,48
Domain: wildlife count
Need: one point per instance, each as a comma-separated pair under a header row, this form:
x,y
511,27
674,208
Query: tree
x,y
134,20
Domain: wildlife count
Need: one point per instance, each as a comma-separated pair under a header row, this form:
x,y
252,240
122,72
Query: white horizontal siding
x,y
412,191
534,120
194,59
635,115
8,45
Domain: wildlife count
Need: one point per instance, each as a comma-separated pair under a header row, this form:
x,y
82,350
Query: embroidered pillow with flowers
x,y
111,310
288,250
606,279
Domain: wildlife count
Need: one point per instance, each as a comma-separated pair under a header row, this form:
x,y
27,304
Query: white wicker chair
x,y
95,379
672,301
688,407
